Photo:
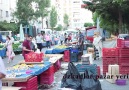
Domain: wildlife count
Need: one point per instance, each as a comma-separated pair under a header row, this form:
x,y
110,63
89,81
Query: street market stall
x,y
25,71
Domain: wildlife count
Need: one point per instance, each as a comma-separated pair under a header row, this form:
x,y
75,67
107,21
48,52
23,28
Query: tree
x,y
4,26
66,20
59,27
113,12
53,17
88,24
26,12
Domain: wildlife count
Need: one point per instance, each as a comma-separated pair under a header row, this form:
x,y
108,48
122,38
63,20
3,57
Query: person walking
x,y
47,38
9,49
2,72
62,38
66,38
26,46
39,39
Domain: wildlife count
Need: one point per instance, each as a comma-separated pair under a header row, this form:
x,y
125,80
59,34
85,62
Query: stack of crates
x,y
74,55
123,48
47,77
110,57
67,56
30,84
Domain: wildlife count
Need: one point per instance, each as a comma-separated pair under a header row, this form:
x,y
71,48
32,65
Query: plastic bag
x,y
90,82
72,78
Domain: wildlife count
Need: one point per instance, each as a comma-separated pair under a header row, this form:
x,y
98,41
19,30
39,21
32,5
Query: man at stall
x,y
2,72
26,46
81,41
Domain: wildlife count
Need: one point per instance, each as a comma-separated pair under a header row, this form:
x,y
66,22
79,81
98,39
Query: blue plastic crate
x,y
73,57
83,68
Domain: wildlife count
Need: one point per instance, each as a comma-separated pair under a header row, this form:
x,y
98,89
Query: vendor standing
x,y
97,42
81,41
39,39
2,72
26,46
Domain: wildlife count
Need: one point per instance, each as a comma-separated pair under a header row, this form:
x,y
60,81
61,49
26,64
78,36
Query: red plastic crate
x,y
30,84
47,80
105,69
110,60
122,43
123,52
98,70
66,58
67,53
110,52
123,61
124,69
48,72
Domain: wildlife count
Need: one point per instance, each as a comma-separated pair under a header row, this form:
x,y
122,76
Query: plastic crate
x,y
110,52
124,69
30,84
98,71
82,68
105,69
48,72
122,43
66,58
110,60
123,61
73,57
123,52
47,80
66,53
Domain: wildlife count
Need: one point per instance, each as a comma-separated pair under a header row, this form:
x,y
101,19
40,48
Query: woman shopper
x,y
9,49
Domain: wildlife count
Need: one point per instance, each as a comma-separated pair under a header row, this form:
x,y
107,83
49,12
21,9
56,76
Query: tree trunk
x,y
120,22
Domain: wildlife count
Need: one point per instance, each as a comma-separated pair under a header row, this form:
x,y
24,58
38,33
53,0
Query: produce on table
x,y
61,47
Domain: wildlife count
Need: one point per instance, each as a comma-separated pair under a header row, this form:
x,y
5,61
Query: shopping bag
x,y
90,82
72,78
12,55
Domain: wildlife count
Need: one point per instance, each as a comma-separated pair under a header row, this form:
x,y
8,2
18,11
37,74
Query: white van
x,y
49,31
6,33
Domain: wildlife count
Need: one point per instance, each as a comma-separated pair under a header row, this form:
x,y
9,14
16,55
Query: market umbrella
x,y
21,33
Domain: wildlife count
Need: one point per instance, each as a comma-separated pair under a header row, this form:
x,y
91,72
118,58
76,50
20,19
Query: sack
x,y
72,78
90,82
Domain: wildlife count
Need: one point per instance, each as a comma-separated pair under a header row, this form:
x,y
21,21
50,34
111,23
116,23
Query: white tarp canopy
x,y
21,33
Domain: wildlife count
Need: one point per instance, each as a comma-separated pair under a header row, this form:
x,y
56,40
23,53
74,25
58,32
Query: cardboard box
x,y
113,69
112,78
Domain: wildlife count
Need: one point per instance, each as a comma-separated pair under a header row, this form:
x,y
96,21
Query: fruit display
x,y
61,47
21,69
16,46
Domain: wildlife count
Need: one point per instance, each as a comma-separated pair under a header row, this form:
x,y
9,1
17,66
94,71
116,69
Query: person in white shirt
x,y
39,41
2,72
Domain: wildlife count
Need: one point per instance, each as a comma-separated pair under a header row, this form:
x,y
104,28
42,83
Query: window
x,y
1,13
7,14
0,1
76,1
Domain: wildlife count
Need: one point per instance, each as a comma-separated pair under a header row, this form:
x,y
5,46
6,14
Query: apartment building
x,y
7,7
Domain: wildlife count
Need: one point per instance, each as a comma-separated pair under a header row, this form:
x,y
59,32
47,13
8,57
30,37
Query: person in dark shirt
x,y
26,46
81,41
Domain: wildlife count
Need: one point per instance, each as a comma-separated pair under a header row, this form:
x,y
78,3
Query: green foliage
x,y
88,24
4,26
114,14
53,17
25,11
59,27
66,19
